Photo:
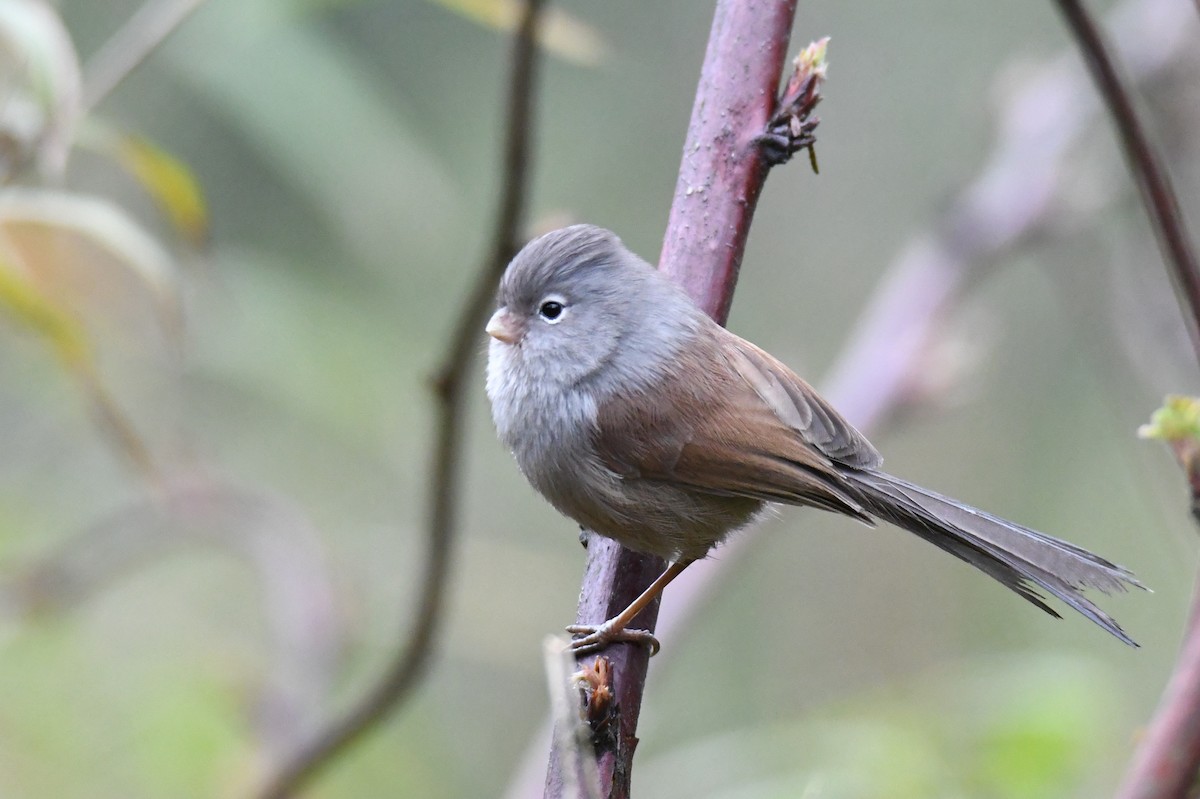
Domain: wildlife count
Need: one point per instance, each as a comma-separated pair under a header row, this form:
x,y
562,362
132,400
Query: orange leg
x,y
594,637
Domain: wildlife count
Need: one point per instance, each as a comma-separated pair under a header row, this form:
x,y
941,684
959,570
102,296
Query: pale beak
x,y
503,327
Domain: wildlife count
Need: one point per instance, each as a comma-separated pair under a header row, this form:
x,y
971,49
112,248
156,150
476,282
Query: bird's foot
x,y
589,638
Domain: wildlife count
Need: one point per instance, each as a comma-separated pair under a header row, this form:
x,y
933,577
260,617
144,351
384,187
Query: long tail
x,y
1014,555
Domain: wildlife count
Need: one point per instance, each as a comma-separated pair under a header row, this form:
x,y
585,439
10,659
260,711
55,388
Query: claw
x,y
591,638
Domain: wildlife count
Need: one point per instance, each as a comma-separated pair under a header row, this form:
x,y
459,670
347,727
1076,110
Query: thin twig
x,y
720,178
132,44
449,387
1152,179
116,425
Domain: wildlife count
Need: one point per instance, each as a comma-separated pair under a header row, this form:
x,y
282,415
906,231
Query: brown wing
x,y
720,423
799,406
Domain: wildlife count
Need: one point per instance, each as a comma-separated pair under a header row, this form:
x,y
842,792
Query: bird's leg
x,y
594,637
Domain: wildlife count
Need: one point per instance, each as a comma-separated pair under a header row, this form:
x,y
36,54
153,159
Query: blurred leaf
x,y
53,242
267,530
1033,727
1177,419
560,33
36,312
189,739
1033,756
73,244
171,183
40,89
168,181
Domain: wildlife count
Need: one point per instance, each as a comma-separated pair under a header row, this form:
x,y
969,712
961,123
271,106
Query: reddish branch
x,y
450,386
721,175
723,171
1165,764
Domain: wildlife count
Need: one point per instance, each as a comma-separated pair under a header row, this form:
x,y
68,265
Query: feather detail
x,y
798,405
702,426
1016,556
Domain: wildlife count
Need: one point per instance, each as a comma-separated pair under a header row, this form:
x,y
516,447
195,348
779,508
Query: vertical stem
x,y
722,171
409,664
1158,195
720,178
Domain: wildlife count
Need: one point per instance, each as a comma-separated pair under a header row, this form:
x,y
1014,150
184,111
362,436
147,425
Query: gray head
x,y
570,297
577,260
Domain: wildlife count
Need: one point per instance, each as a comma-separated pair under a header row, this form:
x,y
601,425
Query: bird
x,y
636,415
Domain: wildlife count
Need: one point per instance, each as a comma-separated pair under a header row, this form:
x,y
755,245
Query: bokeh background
x,y
348,157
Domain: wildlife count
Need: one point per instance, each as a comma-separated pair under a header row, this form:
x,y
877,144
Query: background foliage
x,y
347,154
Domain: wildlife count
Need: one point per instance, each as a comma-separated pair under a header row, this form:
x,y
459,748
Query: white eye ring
x,y
552,308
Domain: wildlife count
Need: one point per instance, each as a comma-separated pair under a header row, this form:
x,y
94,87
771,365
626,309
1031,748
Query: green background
x,y
349,153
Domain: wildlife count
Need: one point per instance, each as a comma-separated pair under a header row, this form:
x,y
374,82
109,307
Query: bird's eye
x,y
551,310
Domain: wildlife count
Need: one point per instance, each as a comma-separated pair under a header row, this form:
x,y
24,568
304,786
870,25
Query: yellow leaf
x,y
1177,420
38,312
33,310
170,183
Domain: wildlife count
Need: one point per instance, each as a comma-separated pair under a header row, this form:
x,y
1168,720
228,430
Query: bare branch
x,y
720,177
140,36
449,385
723,168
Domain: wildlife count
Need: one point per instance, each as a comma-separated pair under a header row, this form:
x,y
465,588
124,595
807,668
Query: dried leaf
x,y
40,313
83,249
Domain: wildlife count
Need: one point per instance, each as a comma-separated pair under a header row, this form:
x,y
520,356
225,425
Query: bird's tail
x,y
1016,556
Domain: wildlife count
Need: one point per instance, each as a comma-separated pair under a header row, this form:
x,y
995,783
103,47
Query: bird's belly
x,y
555,453
656,517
